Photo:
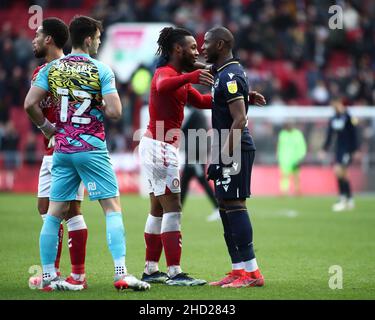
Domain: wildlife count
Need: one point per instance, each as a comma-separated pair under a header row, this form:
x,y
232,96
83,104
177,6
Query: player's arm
x,y
112,103
201,65
112,107
36,94
198,100
32,108
328,139
165,82
323,153
235,91
238,112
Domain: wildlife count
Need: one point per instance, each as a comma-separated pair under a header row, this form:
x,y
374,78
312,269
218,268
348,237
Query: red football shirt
x,y
47,109
167,102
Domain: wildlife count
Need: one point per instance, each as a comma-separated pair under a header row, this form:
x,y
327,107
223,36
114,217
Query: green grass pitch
x,y
296,241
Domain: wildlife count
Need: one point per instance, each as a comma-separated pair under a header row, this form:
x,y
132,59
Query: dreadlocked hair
x,y
167,38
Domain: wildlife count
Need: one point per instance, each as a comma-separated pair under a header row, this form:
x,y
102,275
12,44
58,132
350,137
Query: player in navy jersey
x,y
342,129
233,152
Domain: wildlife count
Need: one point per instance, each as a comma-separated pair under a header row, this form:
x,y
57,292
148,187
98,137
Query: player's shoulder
x,y
165,70
47,66
36,71
297,132
232,71
41,72
102,67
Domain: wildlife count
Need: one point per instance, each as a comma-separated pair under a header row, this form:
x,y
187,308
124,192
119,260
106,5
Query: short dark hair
x,y
82,27
223,34
168,37
57,29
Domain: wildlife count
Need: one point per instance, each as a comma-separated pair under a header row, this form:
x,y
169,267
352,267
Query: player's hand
x,y
206,78
201,65
214,172
257,99
208,67
47,128
51,142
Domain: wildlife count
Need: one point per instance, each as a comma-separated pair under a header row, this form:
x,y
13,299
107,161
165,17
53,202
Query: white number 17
x,y
76,118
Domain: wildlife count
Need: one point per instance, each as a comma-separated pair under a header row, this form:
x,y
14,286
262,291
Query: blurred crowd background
x,y
291,55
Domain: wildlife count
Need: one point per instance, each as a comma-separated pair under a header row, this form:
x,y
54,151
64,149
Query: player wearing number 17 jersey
x,y
78,86
49,40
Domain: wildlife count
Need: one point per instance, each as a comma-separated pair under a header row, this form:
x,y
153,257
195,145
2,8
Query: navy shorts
x,y
235,183
343,158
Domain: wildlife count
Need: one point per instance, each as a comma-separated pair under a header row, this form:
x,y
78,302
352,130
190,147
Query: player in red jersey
x,y
171,90
48,43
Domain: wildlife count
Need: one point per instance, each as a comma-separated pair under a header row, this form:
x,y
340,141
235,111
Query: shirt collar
x,y
226,63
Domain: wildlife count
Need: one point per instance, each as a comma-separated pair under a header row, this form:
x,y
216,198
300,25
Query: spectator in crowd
x,y
287,48
10,146
31,157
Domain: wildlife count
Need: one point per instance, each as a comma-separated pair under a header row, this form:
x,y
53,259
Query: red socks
x,y
154,246
77,250
77,231
164,232
59,248
172,243
171,237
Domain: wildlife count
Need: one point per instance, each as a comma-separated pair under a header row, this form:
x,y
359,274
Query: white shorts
x,y
160,163
45,177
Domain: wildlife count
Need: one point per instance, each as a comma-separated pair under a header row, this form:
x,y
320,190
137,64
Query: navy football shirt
x,y
343,128
230,84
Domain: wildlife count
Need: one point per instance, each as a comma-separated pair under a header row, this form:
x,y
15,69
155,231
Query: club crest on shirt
x,y
176,182
232,86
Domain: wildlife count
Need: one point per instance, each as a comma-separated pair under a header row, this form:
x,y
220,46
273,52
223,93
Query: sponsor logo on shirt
x,y
91,186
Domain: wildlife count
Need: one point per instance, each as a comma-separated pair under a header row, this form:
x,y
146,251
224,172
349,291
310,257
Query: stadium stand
x,y
290,53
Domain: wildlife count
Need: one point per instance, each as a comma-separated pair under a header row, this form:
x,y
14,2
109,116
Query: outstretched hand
x,y
206,78
257,99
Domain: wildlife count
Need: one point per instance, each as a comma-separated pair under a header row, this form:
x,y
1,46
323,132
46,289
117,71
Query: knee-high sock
x,y
60,241
347,190
116,240
48,243
59,248
242,231
77,232
154,245
341,186
171,237
232,248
